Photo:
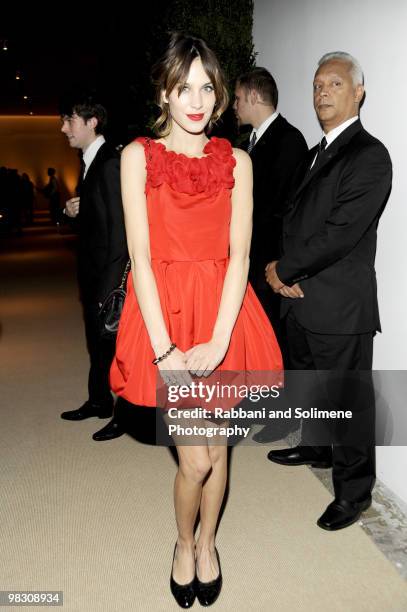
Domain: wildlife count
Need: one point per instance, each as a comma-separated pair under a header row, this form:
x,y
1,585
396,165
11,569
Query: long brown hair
x,y
172,70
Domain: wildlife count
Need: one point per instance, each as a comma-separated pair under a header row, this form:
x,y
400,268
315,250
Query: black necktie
x,y
321,149
251,143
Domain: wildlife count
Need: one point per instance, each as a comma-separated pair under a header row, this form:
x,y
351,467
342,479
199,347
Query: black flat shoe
x,y
208,592
299,455
110,431
184,594
89,410
342,513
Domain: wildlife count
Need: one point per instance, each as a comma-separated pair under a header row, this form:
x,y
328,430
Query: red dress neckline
x,y
190,175
170,151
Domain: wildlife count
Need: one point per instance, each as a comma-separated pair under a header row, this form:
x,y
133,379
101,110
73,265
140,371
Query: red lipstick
x,y
196,117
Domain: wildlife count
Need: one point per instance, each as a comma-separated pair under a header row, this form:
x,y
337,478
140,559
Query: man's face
x,y
80,134
336,98
243,106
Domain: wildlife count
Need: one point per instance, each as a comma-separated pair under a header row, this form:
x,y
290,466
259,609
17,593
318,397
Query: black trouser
x,y
101,353
353,470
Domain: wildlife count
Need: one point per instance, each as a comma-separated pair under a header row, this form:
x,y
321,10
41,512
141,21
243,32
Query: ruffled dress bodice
x,y
191,175
189,201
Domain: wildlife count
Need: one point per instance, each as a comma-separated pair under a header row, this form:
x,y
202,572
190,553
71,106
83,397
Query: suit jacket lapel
x,y
95,162
330,153
86,186
264,140
267,136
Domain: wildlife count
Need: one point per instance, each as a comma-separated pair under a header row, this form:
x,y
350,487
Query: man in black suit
x,y
326,273
102,249
276,148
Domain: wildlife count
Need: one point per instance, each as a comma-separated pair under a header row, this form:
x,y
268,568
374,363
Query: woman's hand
x,y
173,369
202,359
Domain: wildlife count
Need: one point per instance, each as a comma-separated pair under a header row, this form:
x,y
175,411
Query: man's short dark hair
x,y
85,104
260,80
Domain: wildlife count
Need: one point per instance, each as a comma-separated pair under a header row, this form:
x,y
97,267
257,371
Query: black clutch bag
x,y
111,309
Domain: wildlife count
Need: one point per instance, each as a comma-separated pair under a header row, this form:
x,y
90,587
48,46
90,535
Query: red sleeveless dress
x,y
189,212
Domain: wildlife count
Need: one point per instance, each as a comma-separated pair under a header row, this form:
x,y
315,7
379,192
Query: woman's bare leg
x,y
213,492
194,465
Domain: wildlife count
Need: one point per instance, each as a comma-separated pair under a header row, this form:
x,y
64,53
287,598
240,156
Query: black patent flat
x,y
184,594
208,592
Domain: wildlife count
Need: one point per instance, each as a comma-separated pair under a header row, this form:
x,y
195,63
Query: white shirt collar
x,y
263,127
90,153
330,136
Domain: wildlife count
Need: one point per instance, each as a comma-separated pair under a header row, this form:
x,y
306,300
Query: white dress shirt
x,y
263,127
90,153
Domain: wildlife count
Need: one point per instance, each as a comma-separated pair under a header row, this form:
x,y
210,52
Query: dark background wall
x,y
114,50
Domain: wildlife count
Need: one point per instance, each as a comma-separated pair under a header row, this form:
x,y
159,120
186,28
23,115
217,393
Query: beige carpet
x,y
95,520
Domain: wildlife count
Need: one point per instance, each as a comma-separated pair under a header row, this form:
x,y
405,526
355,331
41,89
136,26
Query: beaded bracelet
x,y
158,359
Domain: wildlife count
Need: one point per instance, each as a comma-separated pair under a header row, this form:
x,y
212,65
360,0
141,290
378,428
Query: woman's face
x,y
192,106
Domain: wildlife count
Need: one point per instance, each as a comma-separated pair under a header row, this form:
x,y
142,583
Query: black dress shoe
x,y
300,455
208,592
89,410
271,433
342,513
184,594
112,430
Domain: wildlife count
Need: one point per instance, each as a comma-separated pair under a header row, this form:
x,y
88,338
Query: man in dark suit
x,y
326,274
276,148
102,250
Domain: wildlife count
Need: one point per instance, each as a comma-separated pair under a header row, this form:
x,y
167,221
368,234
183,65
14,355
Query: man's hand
x,y
278,287
292,292
72,207
272,278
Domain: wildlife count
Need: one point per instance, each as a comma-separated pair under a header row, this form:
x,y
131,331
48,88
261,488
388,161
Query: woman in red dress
x,y
189,309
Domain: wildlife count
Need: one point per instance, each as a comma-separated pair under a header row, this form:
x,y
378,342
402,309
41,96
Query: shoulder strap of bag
x,y
125,273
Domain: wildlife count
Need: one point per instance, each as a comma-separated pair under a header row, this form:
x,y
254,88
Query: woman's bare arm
x,y
133,180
